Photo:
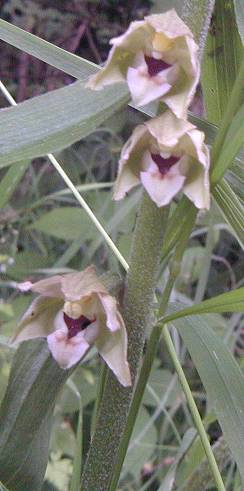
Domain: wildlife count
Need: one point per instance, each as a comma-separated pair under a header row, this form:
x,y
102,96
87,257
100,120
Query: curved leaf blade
x,y
61,59
55,120
227,302
231,208
222,378
25,416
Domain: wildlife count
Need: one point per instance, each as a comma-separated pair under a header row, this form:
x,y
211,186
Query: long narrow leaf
x,y
11,180
239,10
227,302
231,208
34,383
222,59
45,51
222,378
233,143
53,121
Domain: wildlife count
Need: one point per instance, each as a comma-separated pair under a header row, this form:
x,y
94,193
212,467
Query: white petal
x,y
66,351
160,188
113,319
145,89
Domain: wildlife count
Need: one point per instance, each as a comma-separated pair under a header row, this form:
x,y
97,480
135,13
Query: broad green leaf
x,y
222,378
11,180
45,51
25,415
221,62
227,302
231,208
55,120
233,142
67,223
239,10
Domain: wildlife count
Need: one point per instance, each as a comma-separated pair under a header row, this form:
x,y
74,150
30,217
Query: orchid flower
x,y
158,59
75,311
166,155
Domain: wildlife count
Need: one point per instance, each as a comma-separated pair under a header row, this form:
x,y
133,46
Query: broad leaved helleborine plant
x,y
158,59
166,155
74,312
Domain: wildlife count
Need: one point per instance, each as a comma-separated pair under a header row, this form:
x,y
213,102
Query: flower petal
x,y
50,287
81,284
196,186
113,319
112,346
167,129
169,23
129,163
160,188
38,320
145,89
66,351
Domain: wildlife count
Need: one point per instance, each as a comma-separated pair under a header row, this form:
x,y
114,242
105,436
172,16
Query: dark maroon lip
x,y
164,165
155,66
76,325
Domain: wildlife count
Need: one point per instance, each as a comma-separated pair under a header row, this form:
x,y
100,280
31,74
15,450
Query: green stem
x,y
138,302
194,412
152,345
197,15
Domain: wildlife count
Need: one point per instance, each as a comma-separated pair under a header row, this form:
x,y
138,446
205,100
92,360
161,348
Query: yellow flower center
x,y
73,309
161,42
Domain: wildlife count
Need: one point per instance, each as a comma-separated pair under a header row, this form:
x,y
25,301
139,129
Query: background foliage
x,y
44,231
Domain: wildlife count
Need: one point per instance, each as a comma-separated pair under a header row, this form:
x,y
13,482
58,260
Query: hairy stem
x,y
197,15
137,314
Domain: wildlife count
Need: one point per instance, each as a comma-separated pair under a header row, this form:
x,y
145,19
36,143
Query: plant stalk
x,y
152,345
137,314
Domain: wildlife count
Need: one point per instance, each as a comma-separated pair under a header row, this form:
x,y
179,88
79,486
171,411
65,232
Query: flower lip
x,y
76,325
163,164
155,65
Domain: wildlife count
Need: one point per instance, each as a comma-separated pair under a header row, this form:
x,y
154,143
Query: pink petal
x,y
145,89
162,189
109,304
66,351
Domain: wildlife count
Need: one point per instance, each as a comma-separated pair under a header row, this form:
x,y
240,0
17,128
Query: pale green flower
x,y
158,59
74,312
166,155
